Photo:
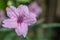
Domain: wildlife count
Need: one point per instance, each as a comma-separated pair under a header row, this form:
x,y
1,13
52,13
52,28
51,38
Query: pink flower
x,y
19,18
35,8
2,16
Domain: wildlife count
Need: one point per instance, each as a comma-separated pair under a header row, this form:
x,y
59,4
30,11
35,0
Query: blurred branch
x,y
58,8
51,13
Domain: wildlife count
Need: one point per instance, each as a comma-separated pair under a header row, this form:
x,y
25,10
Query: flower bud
x,y
9,3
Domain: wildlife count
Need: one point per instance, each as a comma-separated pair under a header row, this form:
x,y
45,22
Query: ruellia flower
x,y
2,16
35,8
19,18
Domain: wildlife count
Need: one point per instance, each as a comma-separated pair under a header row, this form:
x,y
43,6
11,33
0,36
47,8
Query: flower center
x,y
20,19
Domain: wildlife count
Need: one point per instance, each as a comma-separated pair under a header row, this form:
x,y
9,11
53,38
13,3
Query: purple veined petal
x,y
11,13
9,23
23,10
25,29
14,9
18,31
31,19
22,29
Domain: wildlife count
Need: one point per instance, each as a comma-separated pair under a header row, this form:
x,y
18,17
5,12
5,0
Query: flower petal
x,y
31,19
22,29
35,8
9,23
10,12
18,31
23,10
14,9
32,14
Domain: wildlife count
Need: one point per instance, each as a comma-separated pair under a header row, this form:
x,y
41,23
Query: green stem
x,y
28,37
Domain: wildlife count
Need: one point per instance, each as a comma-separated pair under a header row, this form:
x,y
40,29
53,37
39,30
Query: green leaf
x,y
23,1
40,21
22,38
28,37
41,35
9,36
49,25
3,4
5,29
19,38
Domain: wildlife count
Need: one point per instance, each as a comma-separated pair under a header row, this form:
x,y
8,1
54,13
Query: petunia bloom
x,y
35,8
19,18
2,16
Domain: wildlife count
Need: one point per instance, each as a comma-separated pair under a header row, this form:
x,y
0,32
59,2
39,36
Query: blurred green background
x,y
47,26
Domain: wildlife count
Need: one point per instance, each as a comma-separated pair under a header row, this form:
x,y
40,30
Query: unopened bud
x,y
9,3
